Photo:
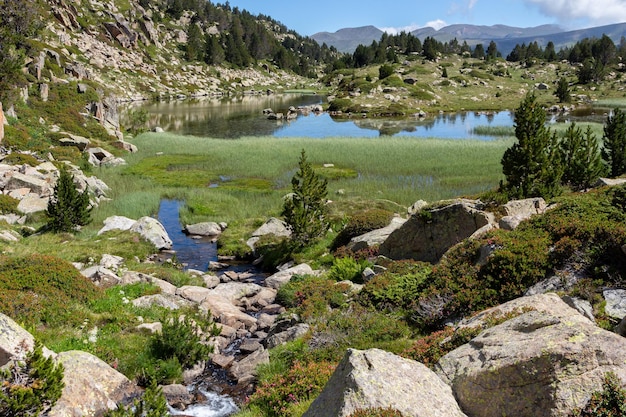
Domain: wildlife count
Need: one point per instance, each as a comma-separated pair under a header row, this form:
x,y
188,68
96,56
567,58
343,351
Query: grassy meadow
x,y
234,180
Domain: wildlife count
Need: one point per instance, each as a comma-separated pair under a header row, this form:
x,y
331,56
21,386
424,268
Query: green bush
x,y
311,296
385,71
347,269
393,290
30,387
340,104
17,158
610,402
42,289
8,204
301,383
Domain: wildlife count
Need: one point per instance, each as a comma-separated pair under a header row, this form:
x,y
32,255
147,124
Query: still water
x,y
239,117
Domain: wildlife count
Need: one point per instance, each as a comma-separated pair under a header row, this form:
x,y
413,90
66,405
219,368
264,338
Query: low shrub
x,y
392,291
610,402
302,382
17,158
40,289
339,104
8,204
376,412
312,296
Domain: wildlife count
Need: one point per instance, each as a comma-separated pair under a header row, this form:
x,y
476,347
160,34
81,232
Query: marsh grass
x,y
399,169
496,131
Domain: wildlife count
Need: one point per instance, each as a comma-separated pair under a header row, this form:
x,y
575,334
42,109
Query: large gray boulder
x,y
375,237
203,229
375,378
544,362
519,210
153,231
116,223
236,292
15,342
91,386
428,235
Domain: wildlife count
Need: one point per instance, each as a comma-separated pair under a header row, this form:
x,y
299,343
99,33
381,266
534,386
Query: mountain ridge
x,y
506,37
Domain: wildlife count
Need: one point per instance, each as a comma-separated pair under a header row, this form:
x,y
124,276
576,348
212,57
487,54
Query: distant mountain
x,y
506,37
346,40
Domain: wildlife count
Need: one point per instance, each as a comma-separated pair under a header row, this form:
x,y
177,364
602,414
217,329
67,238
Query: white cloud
x,y
593,12
471,4
437,24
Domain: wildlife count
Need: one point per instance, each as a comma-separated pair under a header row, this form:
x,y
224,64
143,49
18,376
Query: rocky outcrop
x,y
153,231
519,210
427,235
272,226
375,378
282,277
544,362
375,237
203,229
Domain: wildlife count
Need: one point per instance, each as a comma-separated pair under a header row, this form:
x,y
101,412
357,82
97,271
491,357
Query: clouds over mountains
x,y
593,12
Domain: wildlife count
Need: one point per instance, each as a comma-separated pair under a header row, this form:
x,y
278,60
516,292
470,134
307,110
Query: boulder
x,y
610,182
375,237
153,231
193,293
171,302
428,235
177,396
86,395
378,379
77,141
101,276
273,226
544,362
247,366
615,303
14,340
282,277
235,292
35,184
292,333
226,312
203,229
519,210
32,204
116,223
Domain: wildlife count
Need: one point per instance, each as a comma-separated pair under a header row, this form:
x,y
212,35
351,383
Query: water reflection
x,y
235,118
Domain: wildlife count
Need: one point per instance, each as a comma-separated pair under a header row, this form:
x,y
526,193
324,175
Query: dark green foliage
x,y
340,104
42,289
8,204
137,121
182,338
304,209
68,208
531,166
376,412
614,149
562,91
385,71
195,47
311,295
610,402
397,288
151,404
30,387
580,156
361,223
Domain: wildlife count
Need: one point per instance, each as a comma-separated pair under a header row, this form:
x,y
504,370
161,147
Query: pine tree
x,y
532,165
614,150
304,209
562,91
581,159
68,207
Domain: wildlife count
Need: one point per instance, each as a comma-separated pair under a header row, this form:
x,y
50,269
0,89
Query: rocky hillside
x,y
141,52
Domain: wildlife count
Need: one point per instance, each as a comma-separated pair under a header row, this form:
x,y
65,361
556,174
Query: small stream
x,y
195,254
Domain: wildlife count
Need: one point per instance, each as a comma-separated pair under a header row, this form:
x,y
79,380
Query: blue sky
x,y
309,17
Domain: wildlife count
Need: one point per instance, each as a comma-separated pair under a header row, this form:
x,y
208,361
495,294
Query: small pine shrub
x,y
151,404
610,402
347,269
340,104
68,208
184,338
312,296
393,291
31,387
